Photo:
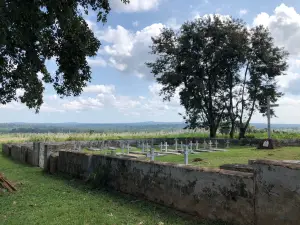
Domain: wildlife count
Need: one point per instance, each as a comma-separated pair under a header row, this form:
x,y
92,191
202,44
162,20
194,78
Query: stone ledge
x,y
284,163
238,167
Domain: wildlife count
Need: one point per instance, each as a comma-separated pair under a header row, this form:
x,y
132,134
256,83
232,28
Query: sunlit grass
x,y
53,200
21,137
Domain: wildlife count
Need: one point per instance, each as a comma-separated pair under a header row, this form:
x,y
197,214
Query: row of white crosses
x,y
164,145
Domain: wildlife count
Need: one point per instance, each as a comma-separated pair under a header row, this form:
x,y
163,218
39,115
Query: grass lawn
x,y
46,199
235,155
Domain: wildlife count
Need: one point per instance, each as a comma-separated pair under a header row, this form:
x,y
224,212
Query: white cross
x,y
128,147
204,144
268,106
227,144
166,146
216,144
210,144
191,144
197,145
175,144
161,146
186,156
122,148
152,155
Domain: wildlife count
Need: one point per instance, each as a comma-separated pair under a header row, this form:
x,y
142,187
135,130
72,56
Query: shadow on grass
x,y
124,203
136,203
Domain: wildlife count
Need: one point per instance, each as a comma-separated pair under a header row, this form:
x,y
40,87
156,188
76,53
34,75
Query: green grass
x,y
235,155
46,199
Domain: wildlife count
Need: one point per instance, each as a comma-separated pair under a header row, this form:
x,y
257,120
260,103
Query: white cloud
x,y
128,51
243,12
52,97
135,23
128,105
97,62
20,92
83,104
134,5
107,89
13,106
284,25
47,108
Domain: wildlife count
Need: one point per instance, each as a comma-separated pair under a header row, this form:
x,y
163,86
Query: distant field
x,y
21,137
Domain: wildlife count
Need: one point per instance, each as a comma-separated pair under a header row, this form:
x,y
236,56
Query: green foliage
x,y
265,62
205,60
198,60
35,31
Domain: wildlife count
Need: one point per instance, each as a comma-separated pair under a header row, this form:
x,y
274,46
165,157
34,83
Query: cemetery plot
x,y
147,151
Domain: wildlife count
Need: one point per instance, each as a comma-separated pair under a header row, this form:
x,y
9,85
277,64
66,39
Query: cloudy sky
x,y
123,90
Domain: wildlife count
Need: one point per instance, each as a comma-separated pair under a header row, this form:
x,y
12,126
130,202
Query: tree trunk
x,y
212,131
231,134
242,132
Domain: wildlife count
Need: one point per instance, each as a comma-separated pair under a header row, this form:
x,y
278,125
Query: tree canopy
x,y
32,32
205,60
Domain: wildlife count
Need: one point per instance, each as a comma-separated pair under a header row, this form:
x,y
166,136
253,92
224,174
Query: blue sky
x,y
123,90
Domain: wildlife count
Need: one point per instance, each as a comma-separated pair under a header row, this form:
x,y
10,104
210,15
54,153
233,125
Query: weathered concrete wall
x,y
52,148
76,164
53,163
16,152
277,193
6,149
213,194
19,151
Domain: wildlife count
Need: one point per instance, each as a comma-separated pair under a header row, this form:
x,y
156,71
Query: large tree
x,y
33,31
265,62
200,59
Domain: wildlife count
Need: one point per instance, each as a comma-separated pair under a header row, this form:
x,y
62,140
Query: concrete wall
x,y
278,192
19,152
51,148
75,164
213,194
263,192
6,149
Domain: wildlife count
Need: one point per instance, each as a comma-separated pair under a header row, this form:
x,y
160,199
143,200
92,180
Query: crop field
x,y
22,137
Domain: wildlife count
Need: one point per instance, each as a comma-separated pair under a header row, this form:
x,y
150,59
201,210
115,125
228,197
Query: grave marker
x,y
128,147
227,143
166,146
186,156
268,106
152,155
143,147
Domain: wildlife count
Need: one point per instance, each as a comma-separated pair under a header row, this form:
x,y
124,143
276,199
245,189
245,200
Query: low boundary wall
x,y
263,192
